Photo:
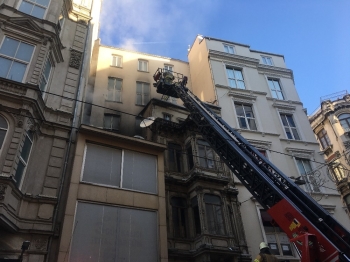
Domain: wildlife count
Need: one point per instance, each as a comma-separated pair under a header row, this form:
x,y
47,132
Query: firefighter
x,y
265,254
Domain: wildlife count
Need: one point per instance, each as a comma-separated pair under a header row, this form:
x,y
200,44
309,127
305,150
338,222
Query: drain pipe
x,y
72,136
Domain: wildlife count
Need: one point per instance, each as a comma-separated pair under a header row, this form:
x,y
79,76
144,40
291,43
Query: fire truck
x,y
316,235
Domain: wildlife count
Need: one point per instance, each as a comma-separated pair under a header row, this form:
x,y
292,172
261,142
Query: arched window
x,y
344,120
214,214
24,157
3,130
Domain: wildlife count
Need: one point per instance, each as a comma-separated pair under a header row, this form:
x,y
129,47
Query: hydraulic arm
x,y
315,233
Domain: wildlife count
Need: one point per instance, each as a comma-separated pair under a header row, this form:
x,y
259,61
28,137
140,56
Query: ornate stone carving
x,y
2,191
75,58
13,88
327,106
40,244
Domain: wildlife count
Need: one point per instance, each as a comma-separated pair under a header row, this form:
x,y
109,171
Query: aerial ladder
x,y
317,236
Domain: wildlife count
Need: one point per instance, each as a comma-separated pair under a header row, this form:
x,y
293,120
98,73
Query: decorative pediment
x,y
260,144
246,97
284,106
25,22
302,153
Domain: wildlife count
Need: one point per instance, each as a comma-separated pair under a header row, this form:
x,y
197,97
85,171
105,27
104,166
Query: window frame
x,y
22,161
205,158
117,116
275,233
182,218
291,128
34,4
228,49
168,68
6,132
143,103
140,65
309,185
216,230
271,81
245,116
176,151
117,58
115,91
346,120
324,139
43,77
18,60
120,185
229,79
264,60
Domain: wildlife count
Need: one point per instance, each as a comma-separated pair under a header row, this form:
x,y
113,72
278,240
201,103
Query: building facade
x,y
330,124
257,96
42,47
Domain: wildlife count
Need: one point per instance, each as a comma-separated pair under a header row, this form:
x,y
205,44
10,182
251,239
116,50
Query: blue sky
x,y
313,35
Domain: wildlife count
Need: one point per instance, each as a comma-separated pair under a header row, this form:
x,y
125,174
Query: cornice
x,y
283,106
285,101
260,143
275,71
232,58
243,91
289,141
300,152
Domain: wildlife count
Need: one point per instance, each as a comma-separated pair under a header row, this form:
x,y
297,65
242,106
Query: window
x,y
347,201
142,93
245,116
143,65
44,79
196,216
229,49
114,89
277,240
214,215
206,154
305,170
189,154
267,60
174,157
168,68
138,128
179,210
344,120
289,127
3,130
23,159
338,171
109,233
35,8
235,78
117,61
275,88
14,58
103,165
324,139
111,122
166,116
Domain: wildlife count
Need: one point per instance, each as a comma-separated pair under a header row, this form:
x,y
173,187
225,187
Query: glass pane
x,y
242,122
239,110
5,65
274,94
271,84
138,99
238,74
9,47
178,202
3,123
295,134
138,87
24,52
307,166
284,120
280,95
210,157
212,199
107,122
344,116
117,96
17,71
226,48
252,125
286,250
230,73
47,69
146,88
300,166
19,173
26,149
232,83
288,133
43,83
201,153
118,84
220,221
115,122
290,120
102,165
26,7
38,12
248,111
241,84
43,2
210,218
140,171
2,136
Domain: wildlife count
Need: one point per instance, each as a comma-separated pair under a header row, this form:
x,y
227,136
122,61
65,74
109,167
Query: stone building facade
x,y
331,125
42,48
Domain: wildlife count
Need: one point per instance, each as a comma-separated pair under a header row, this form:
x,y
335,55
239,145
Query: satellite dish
x,y
147,122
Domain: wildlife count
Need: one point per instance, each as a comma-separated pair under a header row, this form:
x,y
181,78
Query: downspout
x,y
72,136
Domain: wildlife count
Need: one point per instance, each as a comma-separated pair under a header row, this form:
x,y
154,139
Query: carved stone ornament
x,y
40,244
327,106
2,191
75,58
